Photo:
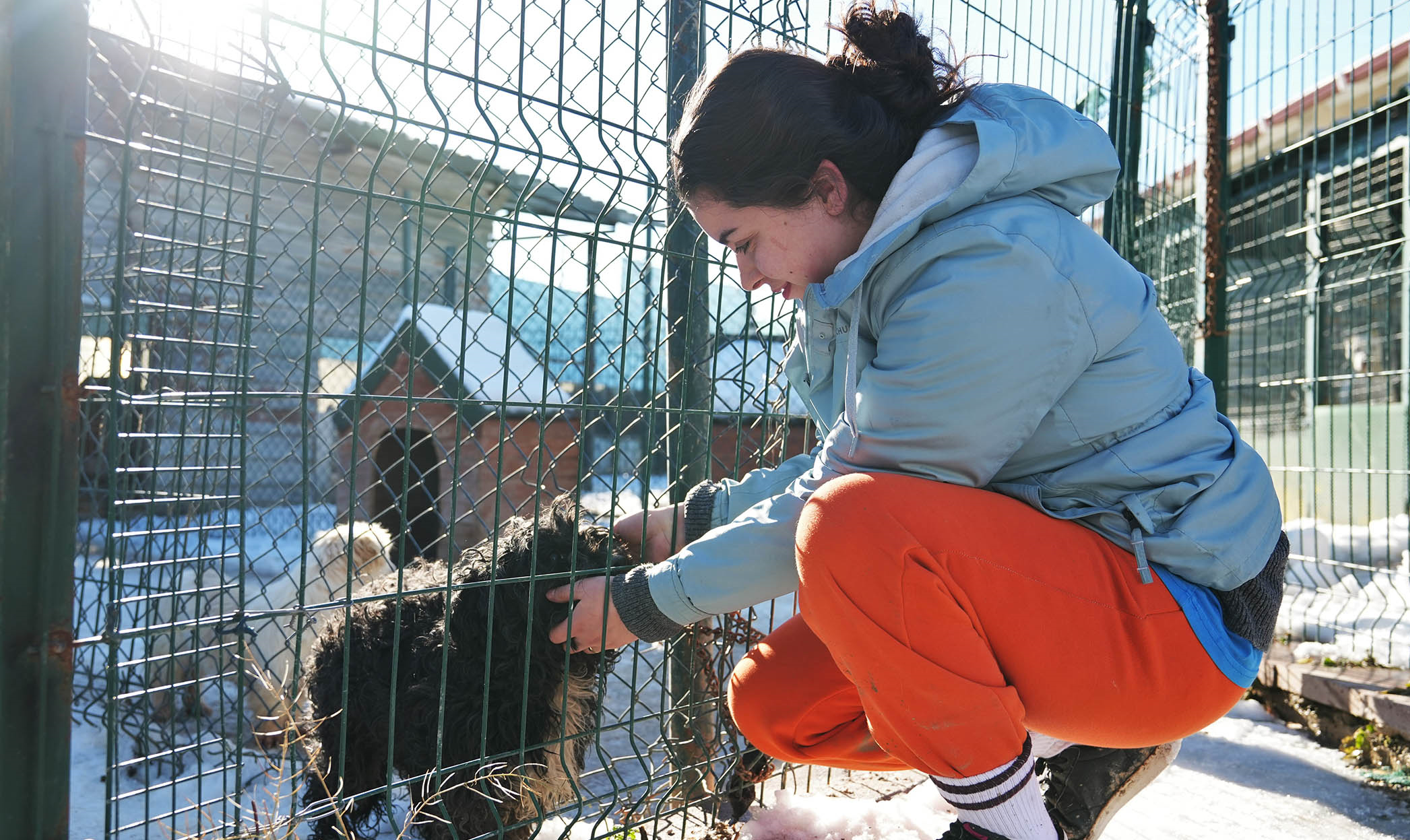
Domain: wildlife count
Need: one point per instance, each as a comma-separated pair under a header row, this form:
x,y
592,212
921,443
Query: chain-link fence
x,y
364,281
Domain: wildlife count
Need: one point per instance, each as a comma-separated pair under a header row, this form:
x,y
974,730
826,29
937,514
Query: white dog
x,y
193,639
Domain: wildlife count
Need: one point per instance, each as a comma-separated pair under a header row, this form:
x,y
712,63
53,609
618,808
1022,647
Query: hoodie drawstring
x,y
1141,525
849,385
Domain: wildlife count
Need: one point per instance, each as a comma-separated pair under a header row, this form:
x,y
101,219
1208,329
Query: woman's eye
x,y
741,248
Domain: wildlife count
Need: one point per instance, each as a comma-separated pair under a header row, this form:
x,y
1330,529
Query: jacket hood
x,y
1023,142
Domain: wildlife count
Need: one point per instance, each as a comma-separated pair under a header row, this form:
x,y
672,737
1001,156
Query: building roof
x,y
1353,91
132,65
1357,90
472,358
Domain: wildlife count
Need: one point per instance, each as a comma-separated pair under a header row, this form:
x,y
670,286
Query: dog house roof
x,y
472,356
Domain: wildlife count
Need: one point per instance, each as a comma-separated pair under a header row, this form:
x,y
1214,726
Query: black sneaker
x,y
1084,787
751,768
969,831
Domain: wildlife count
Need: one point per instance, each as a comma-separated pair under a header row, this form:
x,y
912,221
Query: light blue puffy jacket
x,y
989,338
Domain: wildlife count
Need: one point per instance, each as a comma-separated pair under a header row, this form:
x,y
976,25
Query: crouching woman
x,y
1026,538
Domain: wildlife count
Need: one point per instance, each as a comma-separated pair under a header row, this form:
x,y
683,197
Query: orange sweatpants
x,y
939,623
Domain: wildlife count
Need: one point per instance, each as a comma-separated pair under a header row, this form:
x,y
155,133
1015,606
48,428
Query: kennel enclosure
x,y
269,266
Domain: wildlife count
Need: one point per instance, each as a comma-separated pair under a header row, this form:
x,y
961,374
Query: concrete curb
x,y
1357,691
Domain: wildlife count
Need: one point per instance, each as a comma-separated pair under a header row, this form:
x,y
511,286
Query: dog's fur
x,y
531,698
267,656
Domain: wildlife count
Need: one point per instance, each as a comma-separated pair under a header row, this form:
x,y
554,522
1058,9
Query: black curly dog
x,y
534,702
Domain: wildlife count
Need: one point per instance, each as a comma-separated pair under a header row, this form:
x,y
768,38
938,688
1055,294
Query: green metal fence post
x,y
691,725
1213,350
43,56
1134,33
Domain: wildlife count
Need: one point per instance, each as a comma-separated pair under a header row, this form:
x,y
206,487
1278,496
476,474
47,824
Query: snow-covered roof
x,y
749,378
472,350
477,347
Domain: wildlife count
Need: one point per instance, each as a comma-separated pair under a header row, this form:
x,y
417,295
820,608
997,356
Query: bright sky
x,y
488,78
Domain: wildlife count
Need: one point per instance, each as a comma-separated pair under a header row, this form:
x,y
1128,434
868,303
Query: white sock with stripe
x,y
1005,800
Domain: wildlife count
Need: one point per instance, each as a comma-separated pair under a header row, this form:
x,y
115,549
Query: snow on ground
x,y
1245,776
918,815
1248,775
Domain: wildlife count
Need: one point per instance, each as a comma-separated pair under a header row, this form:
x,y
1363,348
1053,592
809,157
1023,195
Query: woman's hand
x,y
594,599
665,533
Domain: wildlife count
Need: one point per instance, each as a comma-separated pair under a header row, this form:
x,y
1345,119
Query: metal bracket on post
x,y
691,725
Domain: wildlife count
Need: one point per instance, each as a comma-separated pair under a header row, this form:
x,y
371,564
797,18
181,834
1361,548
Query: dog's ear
x,y
372,547
329,553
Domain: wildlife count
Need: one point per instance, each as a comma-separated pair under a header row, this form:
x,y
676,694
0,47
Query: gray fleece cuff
x,y
699,510
632,597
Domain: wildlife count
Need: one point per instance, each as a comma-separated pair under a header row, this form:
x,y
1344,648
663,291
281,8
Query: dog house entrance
x,y
406,491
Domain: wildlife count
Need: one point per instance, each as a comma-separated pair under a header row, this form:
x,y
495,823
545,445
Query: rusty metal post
x,y
43,85
1213,332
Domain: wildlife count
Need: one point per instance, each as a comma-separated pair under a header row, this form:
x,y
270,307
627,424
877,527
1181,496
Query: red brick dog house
x,y
454,422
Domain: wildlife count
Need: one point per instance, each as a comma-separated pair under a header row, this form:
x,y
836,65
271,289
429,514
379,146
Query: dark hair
x,y
755,132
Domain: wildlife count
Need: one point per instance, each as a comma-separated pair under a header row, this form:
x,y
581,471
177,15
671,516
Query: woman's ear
x,y
831,186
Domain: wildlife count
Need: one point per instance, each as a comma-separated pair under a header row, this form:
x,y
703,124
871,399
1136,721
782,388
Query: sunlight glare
x,y
201,24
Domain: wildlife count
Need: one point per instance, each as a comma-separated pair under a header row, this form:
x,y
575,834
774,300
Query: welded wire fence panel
x,y
1317,305
1163,234
362,283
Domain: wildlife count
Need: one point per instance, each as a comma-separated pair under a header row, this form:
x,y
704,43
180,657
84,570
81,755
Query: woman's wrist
x,y
637,610
699,511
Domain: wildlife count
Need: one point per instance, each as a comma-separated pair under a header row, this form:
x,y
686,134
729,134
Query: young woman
x,y
1026,539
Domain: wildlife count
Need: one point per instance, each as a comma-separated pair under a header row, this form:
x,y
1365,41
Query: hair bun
x,y
886,55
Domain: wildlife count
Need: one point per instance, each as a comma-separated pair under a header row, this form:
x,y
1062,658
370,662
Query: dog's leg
x,y
161,676
342,767
360,772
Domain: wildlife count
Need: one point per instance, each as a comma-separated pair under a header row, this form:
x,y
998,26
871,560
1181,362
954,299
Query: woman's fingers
x,y
596,626
586,617
628,533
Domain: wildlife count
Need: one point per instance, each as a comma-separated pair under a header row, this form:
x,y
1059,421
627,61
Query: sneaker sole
x,y
1162,758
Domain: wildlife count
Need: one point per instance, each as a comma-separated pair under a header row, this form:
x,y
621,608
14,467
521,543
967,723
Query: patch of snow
x,y
627,493
793,816
1248,775
1312,543
1316,651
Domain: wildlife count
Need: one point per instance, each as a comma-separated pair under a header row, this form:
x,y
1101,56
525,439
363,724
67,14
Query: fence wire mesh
x,y
1316,305
411,265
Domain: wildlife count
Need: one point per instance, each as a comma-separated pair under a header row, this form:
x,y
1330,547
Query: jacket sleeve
x,y
970,355
733,498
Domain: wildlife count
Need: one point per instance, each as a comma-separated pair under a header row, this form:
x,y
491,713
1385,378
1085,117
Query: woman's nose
x,y
750,278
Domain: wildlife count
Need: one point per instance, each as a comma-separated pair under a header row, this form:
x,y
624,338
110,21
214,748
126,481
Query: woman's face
x,y
786,249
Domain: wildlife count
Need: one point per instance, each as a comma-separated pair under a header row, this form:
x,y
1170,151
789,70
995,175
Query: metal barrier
x,y
414,264
1316,317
